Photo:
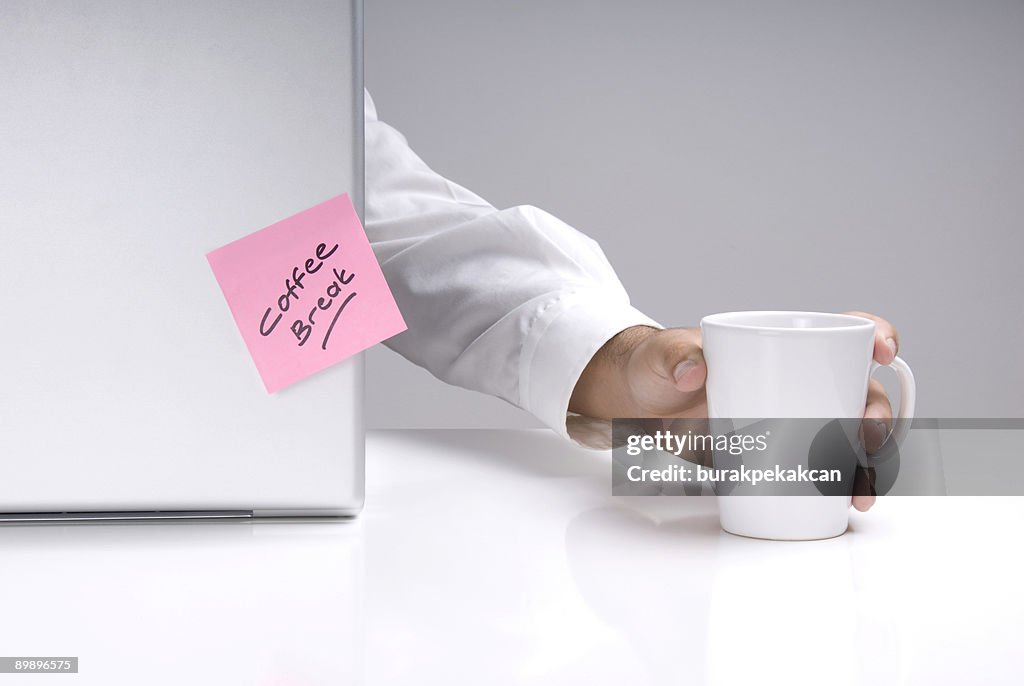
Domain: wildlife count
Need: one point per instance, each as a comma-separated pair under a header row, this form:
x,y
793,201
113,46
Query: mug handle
x,y
908,396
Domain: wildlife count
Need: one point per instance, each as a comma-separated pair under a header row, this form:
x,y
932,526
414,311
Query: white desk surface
x,y
499,557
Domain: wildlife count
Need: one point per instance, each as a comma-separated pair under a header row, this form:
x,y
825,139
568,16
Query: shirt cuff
x,y
560,342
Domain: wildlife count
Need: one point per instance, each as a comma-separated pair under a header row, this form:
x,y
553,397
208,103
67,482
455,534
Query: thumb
x,y
676,356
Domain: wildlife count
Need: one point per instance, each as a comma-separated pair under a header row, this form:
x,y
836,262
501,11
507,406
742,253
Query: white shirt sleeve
x,y
513,303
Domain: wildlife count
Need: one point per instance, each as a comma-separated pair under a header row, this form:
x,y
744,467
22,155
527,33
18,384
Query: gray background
x,y
737,155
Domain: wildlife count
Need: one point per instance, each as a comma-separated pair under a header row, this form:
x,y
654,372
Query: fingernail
x,y
682,368
875,433
892,345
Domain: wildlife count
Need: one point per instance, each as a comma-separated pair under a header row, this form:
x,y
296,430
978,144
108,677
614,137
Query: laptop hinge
x,y
123,515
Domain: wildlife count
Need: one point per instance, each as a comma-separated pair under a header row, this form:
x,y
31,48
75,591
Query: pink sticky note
x,y
306,292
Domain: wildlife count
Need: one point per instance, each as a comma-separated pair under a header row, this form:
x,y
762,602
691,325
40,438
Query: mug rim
x,y
723,319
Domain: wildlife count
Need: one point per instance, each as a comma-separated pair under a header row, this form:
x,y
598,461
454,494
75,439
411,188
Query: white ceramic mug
x,y
793,364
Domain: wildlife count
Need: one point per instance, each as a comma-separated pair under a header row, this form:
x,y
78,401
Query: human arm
x,y
513,302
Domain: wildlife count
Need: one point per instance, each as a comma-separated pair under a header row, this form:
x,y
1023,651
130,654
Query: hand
x,y
648,372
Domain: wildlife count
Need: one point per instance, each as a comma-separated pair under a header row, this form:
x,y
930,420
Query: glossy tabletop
x,y
501,557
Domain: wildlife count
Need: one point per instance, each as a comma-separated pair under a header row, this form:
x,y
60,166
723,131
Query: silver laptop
x,y
135,138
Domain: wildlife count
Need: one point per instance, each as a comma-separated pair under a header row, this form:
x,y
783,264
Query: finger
x,y
863,503
887,339
694,451
676,355
864,489
877,422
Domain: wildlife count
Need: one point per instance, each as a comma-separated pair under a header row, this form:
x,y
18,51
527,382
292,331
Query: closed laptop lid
x,y
137,137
